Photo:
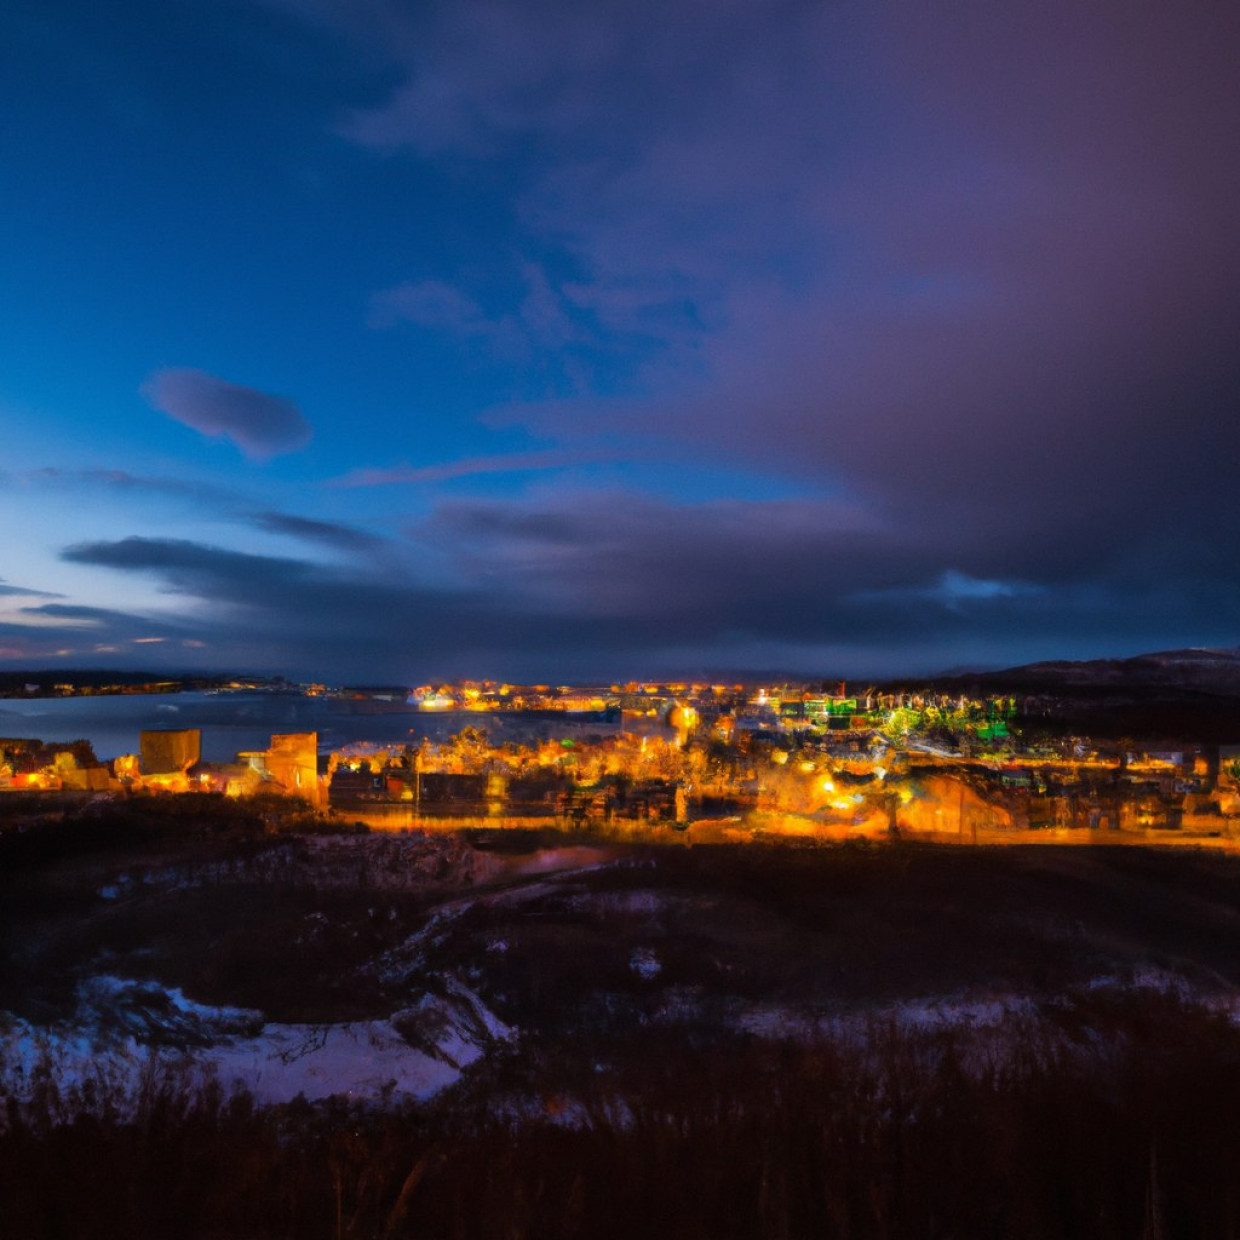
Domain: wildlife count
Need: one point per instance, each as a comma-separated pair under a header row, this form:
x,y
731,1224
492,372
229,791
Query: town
x,y
709,761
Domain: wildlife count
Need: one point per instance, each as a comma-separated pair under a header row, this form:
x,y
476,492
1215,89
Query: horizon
x,y
746,676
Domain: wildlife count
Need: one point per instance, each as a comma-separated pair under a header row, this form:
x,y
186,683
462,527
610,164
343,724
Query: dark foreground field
x,y
854,1041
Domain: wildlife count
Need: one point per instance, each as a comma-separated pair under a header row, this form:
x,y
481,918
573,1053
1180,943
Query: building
x,y
170,752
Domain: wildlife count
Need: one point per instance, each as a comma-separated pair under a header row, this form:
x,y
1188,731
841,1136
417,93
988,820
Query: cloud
x,y
973,265
325,533
186,564
558,330
430,303
952,590
587,584
87,635
261,425
12,591
83,615
471,466
216,500
124,481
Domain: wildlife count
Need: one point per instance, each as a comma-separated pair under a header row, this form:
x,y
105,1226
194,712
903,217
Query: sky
x,y
387,341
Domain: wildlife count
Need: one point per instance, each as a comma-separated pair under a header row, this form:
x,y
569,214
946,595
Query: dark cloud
x,y
12,591
923,246
325,533
88,615
192,568
472,466
22,644
217,500
78,635
611,584
972,266
259,424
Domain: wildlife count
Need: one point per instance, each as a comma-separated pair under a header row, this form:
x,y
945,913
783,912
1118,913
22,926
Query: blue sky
x,y
380,340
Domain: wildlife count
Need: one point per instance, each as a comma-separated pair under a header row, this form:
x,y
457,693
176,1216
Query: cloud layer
x,y
844,336
971,266
598,585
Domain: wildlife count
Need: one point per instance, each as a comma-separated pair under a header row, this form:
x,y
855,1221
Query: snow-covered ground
x,y
127,1036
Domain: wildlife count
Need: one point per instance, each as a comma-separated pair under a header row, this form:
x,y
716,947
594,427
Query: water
x,y
231,722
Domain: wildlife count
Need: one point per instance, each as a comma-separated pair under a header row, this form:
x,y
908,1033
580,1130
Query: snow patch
x,y
115,1007
410,956
454,1026
360,1059
645,963
128,1035
644,903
